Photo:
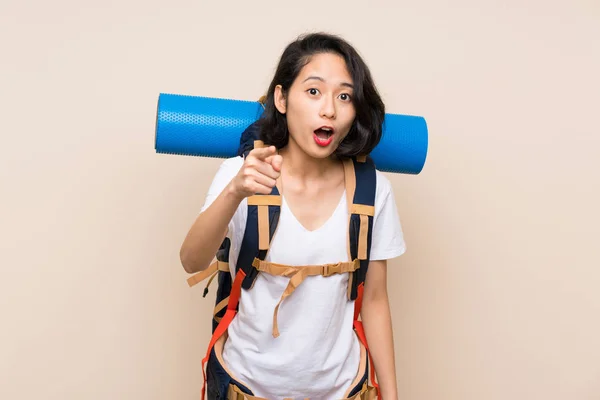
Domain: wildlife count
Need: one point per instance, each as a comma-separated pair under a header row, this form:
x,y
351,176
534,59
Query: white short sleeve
x,y
388,238
226,172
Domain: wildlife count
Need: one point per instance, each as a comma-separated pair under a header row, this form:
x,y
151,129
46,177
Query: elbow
x,y
191,262
187,261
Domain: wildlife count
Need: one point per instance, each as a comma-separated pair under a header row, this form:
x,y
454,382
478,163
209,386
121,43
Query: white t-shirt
x,y
317,353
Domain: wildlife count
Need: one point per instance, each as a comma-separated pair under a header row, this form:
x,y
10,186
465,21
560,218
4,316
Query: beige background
x,y
498,296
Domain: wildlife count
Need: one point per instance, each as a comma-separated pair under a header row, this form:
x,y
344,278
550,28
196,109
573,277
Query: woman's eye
x,y
313,91
345,96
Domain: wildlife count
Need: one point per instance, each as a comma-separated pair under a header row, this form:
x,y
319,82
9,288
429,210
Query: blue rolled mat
x,y
212,127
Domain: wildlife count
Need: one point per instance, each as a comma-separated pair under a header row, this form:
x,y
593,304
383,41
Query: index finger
x,y
263,152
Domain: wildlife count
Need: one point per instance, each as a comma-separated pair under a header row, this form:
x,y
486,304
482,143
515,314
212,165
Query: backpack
x,y
262,219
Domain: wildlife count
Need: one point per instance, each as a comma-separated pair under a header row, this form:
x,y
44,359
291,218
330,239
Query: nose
x,y
328,107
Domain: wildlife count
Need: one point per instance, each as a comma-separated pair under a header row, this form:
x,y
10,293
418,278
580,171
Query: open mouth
x,y
323,135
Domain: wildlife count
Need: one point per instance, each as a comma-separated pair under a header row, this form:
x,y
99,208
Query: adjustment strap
x,y
220,306
211,270
298,274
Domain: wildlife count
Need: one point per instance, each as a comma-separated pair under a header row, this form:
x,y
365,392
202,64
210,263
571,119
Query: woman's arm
x,y
258,175
377,323
208,231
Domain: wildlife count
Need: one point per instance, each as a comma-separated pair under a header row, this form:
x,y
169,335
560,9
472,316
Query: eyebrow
x,y
318,78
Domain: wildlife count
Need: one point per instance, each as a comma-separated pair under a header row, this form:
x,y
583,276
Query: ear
x,y
279,99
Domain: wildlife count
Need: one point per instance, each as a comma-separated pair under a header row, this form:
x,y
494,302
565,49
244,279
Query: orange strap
x,y
360,332
234,298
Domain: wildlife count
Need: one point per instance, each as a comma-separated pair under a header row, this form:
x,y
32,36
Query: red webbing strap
x,y
234,297
360,332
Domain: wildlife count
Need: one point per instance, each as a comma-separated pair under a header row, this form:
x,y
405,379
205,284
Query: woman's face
x,y
318,105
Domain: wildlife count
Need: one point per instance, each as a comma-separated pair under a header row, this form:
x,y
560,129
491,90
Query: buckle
x,y
329,270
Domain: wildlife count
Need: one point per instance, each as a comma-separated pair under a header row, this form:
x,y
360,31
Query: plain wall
x,y
498,296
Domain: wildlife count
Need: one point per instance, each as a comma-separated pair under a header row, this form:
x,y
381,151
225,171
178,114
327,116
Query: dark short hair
x,y
367,127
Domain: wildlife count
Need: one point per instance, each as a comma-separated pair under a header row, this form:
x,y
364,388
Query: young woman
x,y
321,108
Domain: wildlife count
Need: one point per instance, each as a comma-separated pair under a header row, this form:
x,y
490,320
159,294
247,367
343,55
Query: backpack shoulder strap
x,y
263,215
361,184
248,139
261,224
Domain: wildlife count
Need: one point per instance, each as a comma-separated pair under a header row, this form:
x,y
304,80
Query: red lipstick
x,y
323,136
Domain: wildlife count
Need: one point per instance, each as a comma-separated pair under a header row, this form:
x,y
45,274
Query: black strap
x,y
366,186
223,279
250,249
